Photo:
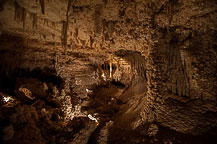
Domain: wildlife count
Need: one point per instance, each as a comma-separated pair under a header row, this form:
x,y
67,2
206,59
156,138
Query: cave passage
x,y
108,72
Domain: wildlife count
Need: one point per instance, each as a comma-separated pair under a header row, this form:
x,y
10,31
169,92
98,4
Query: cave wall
x,y
177,39
187,89
182,81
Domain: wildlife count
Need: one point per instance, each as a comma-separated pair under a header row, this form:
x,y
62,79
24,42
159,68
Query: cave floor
x,y
34,115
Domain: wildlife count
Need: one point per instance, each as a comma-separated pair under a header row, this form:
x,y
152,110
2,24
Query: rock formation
x,y
108,71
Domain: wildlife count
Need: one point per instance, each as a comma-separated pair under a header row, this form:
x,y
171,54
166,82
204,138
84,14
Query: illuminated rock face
x,y
163,52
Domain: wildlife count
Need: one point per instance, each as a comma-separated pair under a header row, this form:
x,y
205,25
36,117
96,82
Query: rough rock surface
x,y
57,54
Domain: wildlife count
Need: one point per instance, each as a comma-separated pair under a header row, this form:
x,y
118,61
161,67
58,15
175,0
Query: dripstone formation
x,y
108,71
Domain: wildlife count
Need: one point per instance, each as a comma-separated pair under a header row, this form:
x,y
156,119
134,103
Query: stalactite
x,y
83,42
141,70
65,28
44,21
76,32
110,71
53,25
169,59
47,22
27,42
44,37
136,65
64,35
104,66
42,3
24,17
181,90
97,20
18,11
91,41
176,87
35,20
53,36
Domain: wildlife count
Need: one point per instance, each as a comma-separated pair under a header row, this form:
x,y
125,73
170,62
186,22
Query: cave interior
x,y
108,71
